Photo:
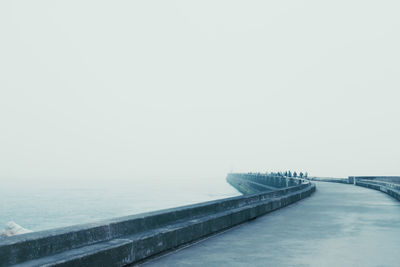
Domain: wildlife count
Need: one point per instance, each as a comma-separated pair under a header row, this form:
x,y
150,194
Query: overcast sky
x,y
108,89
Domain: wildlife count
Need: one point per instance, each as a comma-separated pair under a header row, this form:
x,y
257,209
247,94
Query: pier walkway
x,y
339,225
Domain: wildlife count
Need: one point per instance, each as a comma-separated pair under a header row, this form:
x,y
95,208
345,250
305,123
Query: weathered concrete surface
x,y
331,180
389,179
119,241
340,225
391,189
252,183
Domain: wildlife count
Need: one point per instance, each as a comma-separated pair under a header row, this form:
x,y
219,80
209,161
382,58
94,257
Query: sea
x,y
37,204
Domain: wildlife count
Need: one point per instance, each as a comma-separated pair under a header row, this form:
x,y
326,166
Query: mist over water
x,y
39,205
109,108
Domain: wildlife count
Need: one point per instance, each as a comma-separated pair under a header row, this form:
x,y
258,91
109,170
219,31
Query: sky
x,y
197,89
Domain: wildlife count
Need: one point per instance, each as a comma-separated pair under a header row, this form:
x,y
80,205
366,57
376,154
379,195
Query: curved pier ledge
x,y
126,240
387,184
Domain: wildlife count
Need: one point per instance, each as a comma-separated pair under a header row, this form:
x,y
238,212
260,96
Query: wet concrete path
x,y
339,225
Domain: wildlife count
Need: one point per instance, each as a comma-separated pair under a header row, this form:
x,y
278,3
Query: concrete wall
x,y
385,187
132,239
331,180
389,179
255,183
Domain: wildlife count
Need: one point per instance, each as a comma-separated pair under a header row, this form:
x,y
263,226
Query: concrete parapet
x,y
254,183
388,179
331,180
131,239
385,187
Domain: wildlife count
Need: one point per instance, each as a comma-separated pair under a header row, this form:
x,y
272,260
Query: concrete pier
x,y
340,225
133,239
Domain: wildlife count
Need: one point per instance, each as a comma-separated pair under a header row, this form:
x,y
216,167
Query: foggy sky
x,y
108,89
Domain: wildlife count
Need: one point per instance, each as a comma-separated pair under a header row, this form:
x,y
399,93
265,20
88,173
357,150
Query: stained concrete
x,y
340,225
391,189
124,240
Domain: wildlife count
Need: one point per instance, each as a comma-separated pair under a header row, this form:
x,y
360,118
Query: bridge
x,y
341,224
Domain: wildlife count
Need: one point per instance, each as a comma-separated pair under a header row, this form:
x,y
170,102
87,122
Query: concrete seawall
x,y
132,239
340,225
388,179
255,183
386,184
331,180
389,188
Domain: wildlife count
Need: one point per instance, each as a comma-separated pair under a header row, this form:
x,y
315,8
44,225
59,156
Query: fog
x,y
196,89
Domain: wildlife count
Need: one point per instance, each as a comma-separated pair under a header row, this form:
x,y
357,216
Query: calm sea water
x,y
40,205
